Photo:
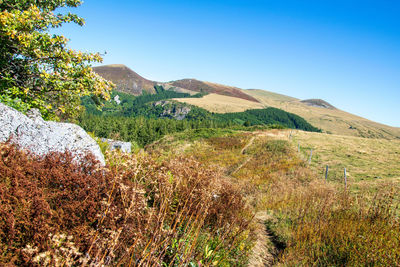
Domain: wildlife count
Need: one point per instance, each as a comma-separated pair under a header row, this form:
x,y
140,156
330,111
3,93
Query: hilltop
x,y
318,103
128,81
125,79
208,87
226,99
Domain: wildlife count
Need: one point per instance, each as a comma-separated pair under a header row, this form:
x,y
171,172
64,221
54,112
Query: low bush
x,y
137,211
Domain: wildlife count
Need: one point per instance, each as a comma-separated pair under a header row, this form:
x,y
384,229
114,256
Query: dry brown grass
x,y
309,221
221,103
139,211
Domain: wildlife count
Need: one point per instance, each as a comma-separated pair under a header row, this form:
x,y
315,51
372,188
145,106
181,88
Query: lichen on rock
x,y
41,137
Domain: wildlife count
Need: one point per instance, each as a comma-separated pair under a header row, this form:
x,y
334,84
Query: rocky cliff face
x,y
40,137
175,110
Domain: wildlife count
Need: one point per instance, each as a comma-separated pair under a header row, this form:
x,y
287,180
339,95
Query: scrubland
x,y
310,221
191,199
140,211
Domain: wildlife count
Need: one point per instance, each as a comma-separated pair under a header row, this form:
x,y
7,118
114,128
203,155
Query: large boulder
x,y
40,137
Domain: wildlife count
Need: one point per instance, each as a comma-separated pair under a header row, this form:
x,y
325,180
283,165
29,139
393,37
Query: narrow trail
x,y
240,166
248,145
267,248
262,254
243,151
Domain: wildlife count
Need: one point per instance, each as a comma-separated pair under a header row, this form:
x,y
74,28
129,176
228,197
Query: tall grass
x,y
314,222
321,223
189,208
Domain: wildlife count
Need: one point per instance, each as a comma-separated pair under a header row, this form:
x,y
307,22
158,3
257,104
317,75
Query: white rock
x,y
125,147
40,137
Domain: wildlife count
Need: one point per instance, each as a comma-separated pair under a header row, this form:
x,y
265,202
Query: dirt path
x,y
266,249
262,255
247,145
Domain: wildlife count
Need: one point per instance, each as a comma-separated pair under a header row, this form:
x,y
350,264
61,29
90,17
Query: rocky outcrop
x,y
173,110
319,103
125,147
40,137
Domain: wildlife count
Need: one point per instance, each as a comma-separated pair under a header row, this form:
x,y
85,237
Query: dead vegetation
x,y
308,220
186,202
138,212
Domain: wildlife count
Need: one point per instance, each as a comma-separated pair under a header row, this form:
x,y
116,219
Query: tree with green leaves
x,y
37,69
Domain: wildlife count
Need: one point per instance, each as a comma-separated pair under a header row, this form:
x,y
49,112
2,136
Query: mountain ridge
x,y
128,81
221,99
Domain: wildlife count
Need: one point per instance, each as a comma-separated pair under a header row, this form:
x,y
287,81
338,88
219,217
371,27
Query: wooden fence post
x,y
309,161
345,178
298,147
326,172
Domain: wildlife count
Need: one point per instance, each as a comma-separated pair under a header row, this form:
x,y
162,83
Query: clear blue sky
x,y
345,52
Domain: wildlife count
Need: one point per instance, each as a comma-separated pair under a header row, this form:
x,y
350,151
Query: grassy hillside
x,y
270,95
221,103
207,87
330,120
369,162
125,79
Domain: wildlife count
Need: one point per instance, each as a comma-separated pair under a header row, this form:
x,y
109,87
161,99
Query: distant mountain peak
x,y
130,82
125,79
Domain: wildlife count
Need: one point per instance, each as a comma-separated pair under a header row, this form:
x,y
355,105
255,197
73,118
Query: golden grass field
x,y
221,103
333,121
369,162
329,120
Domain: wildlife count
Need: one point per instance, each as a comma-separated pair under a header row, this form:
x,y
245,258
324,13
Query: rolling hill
x,y
328,118
225,99
207,87
126,80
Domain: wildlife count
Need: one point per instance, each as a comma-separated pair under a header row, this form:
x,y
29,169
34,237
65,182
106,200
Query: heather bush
x,y
42,198
137,211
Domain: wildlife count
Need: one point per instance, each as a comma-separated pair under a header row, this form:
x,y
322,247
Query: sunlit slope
x,y
125,79
212,88
270,95
329,120
221,103
366,159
